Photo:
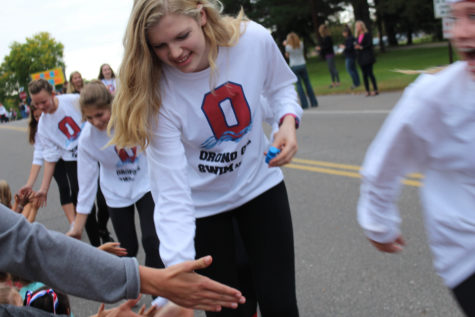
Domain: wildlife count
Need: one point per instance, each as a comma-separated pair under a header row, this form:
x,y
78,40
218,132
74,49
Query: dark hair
x,y
44,299
347,29
32,125
37,85
95,95
101,75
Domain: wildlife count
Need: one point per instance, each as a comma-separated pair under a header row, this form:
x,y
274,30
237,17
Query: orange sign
x,y
54,76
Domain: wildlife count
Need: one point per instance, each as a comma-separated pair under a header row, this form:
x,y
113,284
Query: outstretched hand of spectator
x,y
125,310
113,248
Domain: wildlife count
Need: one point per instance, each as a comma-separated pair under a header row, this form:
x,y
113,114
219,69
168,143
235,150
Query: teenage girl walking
x,y
58,132
294,52
64,187
123,178
107,76
365,56
191,85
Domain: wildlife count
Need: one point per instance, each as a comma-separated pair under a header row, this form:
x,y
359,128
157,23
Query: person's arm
x,y
280,93
174,214
42,193
28,187
397,150
78,269
88,174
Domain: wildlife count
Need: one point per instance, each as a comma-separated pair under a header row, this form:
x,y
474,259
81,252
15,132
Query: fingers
x,y
390,247
101,309
285,156
132,302
202,263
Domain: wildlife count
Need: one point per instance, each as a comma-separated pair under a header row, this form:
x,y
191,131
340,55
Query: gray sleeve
x,y
76,268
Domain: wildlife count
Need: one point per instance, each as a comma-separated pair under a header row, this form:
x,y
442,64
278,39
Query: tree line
x,y
383,17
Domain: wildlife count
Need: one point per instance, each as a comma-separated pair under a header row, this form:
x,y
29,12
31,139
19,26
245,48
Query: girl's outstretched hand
x,y
286,140
180,284
390,247
113,248
125,310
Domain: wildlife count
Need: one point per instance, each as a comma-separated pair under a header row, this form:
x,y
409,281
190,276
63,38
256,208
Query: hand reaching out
x,y
180,284
390,247
113,248
285,139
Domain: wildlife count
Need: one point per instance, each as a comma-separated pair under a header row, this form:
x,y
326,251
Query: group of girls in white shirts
x,y
186,129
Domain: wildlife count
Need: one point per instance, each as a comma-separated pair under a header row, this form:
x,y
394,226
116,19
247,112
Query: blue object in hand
x,y
273,151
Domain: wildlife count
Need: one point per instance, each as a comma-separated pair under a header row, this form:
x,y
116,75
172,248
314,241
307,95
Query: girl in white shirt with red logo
x,y
191,83
123,178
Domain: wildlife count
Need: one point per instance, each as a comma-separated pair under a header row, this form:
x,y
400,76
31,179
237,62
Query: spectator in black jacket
x,y
326,51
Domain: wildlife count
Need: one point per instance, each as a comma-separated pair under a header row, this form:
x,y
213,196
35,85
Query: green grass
x,y
417,58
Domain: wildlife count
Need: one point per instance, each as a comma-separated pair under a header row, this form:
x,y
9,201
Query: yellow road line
x,y
343,166
9,127
407,182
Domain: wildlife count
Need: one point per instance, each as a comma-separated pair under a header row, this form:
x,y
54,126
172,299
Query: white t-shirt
x,y
59,132
123,172
296,56
431,130
110,84
207,152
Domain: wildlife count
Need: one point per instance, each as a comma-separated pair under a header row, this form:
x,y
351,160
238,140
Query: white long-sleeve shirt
x,y
59,132
206,154
431,130
37,152
123,172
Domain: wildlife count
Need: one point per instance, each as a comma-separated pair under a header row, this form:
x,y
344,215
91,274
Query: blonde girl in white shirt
x,y
191,83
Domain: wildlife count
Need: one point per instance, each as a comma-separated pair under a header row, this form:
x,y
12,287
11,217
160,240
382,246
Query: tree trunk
x,y
409,35
361,10
390,32
315,22
379,25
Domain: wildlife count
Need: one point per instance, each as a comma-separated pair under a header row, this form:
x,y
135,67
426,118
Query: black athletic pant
x,y
465,295
92,229
123,221
265,226
367,71
102,211
64,187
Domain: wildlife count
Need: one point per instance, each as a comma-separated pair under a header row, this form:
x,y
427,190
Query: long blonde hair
x,y
361,29
71,88
293,40
138,99
323,30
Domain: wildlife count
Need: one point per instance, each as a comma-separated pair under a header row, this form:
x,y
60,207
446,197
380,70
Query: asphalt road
x,y
338,272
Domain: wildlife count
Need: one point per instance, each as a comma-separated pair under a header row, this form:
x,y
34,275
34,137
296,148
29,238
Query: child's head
x,y
463,30
323,30
106,72
75,82
360,27
10,296
41,93
95,102
293,40
5,194
346,31
180,32
48,300
155,35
